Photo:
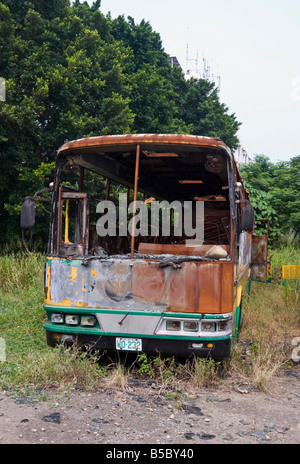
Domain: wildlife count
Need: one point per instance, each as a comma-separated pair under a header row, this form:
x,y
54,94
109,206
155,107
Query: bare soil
x,y
144,414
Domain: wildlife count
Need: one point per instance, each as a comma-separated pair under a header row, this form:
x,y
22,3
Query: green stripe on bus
x,y
92,331
82,310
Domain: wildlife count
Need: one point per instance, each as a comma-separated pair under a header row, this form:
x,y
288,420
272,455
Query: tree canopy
x,y
72,72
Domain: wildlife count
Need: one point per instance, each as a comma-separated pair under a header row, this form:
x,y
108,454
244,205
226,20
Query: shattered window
x,y
72,223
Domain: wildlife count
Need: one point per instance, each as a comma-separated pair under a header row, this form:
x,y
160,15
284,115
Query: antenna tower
x,y
192,69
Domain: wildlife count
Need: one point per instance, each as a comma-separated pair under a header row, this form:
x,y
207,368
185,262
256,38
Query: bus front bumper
x,y
216,349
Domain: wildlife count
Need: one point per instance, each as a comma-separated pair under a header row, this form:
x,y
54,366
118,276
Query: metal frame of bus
x,y
167,298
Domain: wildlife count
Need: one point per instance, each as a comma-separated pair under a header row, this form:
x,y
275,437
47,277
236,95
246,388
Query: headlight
x,y
57,318
71,319
87,320
223,326
190,326
208,326
173,325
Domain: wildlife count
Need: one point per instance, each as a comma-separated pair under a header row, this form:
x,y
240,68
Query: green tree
x,y
72,72
64,81
153,98
201,108
275,192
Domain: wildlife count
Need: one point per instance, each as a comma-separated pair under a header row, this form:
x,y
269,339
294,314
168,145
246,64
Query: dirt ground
x,y
232,413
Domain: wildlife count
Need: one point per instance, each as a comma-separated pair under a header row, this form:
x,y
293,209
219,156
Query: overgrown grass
x,y
194,372
285,255
29,361
21,272
271,319
270,322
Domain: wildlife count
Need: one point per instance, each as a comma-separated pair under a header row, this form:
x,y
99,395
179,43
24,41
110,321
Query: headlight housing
x,y
71,319
57,318
190,326
87,320
173,325
223,326
208,326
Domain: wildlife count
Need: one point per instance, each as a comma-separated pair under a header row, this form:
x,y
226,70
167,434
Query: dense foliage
x,y
72,72
275,194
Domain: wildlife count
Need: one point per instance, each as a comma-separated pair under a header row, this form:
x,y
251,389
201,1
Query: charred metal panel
x,y
159,249
197,287
202,287
129,140
259,257
245,241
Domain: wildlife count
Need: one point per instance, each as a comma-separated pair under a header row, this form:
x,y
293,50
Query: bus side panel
x,y
259,257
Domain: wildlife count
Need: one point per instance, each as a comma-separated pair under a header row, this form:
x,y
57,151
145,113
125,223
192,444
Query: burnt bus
x,y
151,246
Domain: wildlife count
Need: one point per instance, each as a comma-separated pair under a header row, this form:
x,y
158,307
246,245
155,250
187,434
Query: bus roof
x,y
168,166
135,139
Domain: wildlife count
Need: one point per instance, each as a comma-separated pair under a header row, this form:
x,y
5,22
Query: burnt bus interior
x,y
88,174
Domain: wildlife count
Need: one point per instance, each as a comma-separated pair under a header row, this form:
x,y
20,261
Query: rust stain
x,y
148,282
185,250
194,287
191,286
48,288
135,139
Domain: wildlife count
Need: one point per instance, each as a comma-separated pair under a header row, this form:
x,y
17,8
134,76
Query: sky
x,y
253,45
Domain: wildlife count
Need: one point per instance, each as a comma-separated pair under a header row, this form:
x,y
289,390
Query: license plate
x,y
129,344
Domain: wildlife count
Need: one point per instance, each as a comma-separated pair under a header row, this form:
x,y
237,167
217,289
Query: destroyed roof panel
x,y
170,165
135,139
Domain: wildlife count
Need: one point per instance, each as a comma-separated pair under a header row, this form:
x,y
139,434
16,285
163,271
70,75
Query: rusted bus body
x,y
140,285
135,298
154,293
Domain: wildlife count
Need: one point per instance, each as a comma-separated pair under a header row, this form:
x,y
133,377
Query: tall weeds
x,y
20,271
271,319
